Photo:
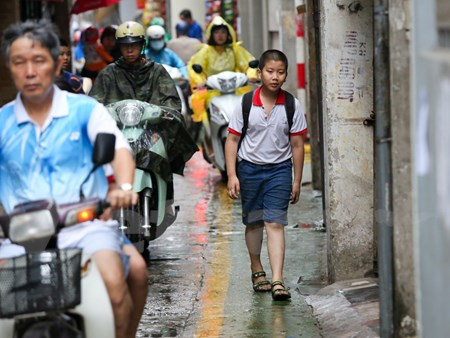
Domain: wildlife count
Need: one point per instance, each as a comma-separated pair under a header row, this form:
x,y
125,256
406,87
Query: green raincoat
x,y
147,81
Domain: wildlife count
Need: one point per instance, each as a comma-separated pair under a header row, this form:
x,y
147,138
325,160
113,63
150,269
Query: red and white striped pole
x,y
300,53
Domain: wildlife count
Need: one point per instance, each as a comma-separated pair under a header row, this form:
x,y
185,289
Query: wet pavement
x,y
200,277
347,309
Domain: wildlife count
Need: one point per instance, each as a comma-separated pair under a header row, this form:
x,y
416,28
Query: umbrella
x,y
81,6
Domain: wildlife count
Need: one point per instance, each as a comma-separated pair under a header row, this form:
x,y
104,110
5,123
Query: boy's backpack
x,y
247,100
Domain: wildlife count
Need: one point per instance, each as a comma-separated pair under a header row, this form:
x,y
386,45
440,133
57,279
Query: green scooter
x,y
161,146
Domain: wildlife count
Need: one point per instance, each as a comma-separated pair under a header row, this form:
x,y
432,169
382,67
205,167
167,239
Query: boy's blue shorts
x,y
265,192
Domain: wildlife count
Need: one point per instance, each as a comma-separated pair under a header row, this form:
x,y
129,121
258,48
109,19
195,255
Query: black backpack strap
x,y
289,105
247,101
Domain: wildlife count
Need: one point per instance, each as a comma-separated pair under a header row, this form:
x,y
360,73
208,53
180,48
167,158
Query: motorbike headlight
x,y
130,114
31,225
227,85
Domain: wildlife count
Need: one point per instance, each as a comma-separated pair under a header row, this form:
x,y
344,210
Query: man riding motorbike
x,y
135,77
157,50
46,148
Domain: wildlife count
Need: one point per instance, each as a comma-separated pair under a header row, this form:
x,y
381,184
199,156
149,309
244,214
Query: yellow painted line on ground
x,y
216,280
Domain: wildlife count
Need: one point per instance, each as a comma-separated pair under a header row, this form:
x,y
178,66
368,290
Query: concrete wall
x,y
313,102
346,46
404,286
128,10
288,42
260,24
268,24
254,25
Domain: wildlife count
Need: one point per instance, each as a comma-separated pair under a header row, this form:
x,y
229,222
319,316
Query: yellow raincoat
x,y
216,59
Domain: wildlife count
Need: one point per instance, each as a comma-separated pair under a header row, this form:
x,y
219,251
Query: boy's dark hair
x,y
186,13
274,55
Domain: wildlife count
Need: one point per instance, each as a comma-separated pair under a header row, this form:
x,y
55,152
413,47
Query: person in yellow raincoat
x,y
221,53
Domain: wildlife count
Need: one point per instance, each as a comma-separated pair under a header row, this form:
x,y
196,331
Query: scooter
x,y
50,292
184,91
220,109
142,125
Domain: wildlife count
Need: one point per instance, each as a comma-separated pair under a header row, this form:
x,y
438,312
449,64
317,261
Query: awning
x,y
81,6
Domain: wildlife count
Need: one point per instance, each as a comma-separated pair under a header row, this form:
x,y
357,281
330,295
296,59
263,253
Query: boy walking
x,y
266,157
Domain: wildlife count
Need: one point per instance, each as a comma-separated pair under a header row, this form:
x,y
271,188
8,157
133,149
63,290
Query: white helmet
x,y
155,32
130,32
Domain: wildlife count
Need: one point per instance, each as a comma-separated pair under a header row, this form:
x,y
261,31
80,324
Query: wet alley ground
x,y
199,269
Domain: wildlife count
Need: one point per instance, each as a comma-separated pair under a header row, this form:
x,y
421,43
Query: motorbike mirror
x,y
104,149
253,64
197,68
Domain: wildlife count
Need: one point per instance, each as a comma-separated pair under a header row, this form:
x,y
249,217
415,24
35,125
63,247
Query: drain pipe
x,y
383,174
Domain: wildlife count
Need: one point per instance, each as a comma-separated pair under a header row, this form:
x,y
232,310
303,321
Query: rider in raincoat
x,y
134,77
157,50
221,53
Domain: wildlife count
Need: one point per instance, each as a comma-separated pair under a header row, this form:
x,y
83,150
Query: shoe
x,y
282,293
259,286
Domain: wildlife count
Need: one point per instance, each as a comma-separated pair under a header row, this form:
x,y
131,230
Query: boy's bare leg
x,y
276,250
254,239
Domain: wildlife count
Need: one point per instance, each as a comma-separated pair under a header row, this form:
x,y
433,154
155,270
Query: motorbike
x,y
184,91
219,111
181,83
50,292
161,146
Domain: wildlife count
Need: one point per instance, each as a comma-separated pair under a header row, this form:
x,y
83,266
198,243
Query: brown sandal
x,y
280,294
259,286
